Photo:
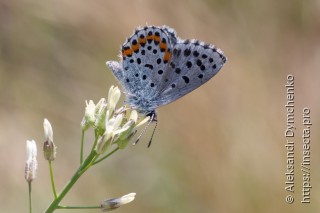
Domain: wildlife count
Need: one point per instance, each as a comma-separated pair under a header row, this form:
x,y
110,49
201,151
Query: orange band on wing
x,y
142,40
135,47
156,38
163,46
149,37
167,56
127,52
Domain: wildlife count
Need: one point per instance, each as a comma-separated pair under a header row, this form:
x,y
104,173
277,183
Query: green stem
x,y
81,147
83,167
96,136
79,207
30,199
108,155
52,180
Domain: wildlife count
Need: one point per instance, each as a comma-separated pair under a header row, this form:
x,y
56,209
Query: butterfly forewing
x,y
193,63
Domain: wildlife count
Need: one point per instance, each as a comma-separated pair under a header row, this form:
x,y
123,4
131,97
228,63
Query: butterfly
x,y
156,67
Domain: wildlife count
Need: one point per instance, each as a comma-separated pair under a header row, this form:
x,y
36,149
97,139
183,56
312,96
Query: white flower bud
x,y
49,148
100,114
112,125
31,162
111,204
113,98
48,133
89,115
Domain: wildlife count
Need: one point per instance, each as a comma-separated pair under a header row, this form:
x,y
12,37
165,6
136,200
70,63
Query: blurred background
x,y
219,149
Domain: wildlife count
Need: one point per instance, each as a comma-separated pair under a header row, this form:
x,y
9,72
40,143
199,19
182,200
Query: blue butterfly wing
x,y
193,63
157,68
144,59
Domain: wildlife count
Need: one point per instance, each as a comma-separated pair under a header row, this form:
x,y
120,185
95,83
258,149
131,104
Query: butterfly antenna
x,y
152,118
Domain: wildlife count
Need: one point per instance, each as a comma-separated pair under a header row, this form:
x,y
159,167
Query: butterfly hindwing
x,y
145,56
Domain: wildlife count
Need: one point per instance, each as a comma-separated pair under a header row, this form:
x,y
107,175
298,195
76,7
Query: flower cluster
x,y
111,125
